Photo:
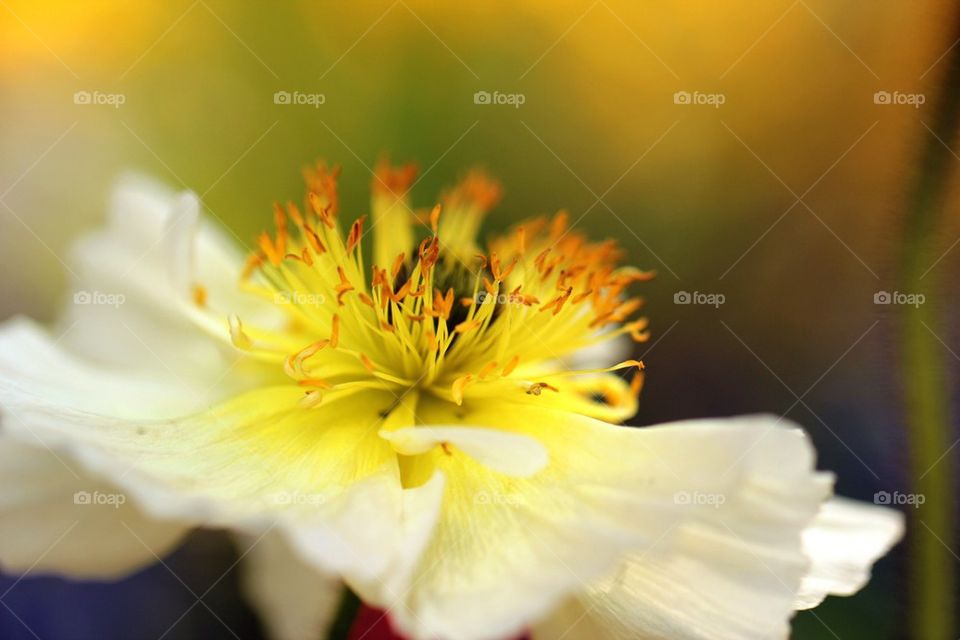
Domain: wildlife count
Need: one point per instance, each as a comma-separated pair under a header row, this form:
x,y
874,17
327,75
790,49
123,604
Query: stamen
x,y
335,332
420,320
535,388
199,295
507,370
356,232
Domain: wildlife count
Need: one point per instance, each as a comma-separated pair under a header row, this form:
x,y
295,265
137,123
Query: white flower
x,y
458,474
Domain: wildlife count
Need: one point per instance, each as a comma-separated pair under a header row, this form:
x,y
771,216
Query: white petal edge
x,y
295,600
372,536
844,540
155,248
55,518
730,572
372,532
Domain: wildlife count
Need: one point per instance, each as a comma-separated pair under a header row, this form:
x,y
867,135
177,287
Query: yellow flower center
x,y
435,315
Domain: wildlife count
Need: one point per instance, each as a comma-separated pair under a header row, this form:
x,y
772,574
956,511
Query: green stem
x,y
347,612
925,377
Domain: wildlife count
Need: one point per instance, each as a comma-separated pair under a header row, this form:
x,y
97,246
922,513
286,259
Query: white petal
x,y
320,475
39,483
373,536
295,600
138,208
56,518
730,572
843,541
730,561
507,550
35,368
509,453
132,304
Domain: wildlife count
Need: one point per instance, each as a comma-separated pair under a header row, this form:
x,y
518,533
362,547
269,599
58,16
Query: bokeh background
x,y
797,199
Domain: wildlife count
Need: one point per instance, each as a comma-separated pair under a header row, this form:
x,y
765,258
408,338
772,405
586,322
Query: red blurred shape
x,y
374,624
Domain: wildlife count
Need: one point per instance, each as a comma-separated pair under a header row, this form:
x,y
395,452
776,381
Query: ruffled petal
x,y
40,482
373,536
321,475
34,367
152,285
843,541
733,570
729,495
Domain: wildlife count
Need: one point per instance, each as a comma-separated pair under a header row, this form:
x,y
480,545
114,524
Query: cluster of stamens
x,y
441,316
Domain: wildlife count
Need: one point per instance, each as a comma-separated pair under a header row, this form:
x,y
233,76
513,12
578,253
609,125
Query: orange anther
x,y
356,232
199,295
367,363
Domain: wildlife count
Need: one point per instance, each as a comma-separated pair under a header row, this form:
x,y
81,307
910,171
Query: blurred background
x,y
781,165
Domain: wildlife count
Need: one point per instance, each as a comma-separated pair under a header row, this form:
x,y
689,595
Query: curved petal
x,y
35,368
320,474
133,302
373,537
39,484
507,550
56,518
845,538
509,453
295,600
731,571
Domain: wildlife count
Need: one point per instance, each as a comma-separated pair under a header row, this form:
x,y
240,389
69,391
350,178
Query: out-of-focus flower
x,y
417,430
